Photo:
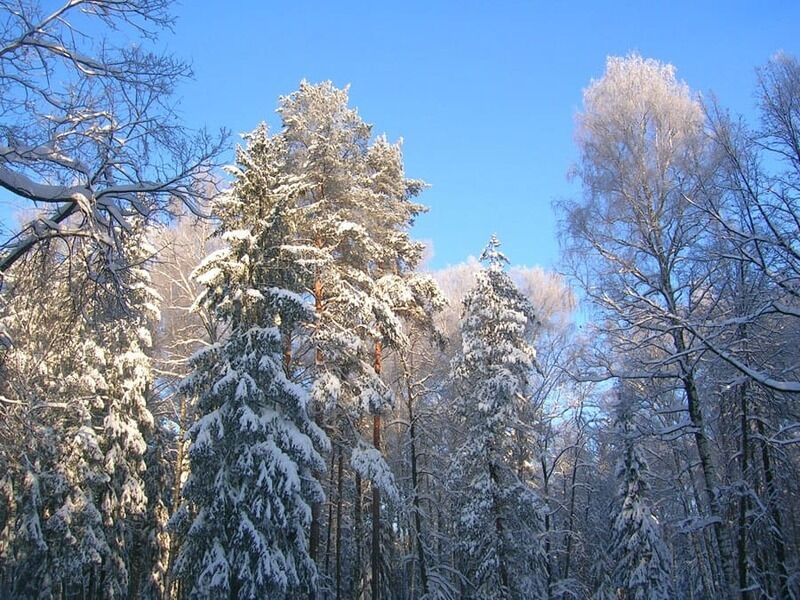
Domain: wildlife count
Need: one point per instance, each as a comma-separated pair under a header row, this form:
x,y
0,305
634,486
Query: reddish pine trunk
x,y
316,507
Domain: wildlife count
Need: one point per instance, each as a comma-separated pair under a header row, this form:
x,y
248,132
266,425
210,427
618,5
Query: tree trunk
x,y
376,494
375,555
423,574
176,489
546,500
571,518
329,528
572,493
741,542
696,541
707,468
316,506
286,345
775,513
359,535
339,527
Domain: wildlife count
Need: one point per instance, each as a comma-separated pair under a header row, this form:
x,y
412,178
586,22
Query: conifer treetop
x,y
492,256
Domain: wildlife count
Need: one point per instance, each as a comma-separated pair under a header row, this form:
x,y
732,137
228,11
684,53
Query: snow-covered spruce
x,y
638,555
499,521
79,495
253,451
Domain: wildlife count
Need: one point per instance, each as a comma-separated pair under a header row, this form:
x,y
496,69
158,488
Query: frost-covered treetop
x,y
642,102
492,255
498,323
635,86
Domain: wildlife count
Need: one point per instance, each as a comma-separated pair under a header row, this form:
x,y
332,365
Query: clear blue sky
x,y
483,93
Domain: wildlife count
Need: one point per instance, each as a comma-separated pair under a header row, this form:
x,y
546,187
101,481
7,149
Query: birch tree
x,y
633,237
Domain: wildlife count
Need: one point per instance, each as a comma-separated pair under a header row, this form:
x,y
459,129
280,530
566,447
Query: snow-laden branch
x,y
100,146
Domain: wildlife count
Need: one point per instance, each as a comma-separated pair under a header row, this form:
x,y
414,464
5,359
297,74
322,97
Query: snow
x,y
238,235
209,276
371,465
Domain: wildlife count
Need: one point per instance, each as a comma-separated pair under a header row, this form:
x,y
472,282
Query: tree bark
x,y
709,473
412,432
359,535
775,513
339,527
316,507
176,492
376,494
699,553
546,500
572,493
329,528
741,542
286,344
571,519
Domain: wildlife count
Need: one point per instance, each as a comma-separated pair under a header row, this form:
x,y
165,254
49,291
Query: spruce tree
x,y
638,555
499,522
253,449
78,484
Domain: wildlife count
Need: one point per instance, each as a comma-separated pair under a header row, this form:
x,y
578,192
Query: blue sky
x,y
483,93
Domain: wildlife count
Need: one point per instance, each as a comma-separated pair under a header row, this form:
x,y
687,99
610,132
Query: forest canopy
x,y
243,381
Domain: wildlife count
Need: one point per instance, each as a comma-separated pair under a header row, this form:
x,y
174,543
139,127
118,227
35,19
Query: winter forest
x,y
241,381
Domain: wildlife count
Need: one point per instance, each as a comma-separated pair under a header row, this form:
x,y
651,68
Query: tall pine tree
x,y
354,208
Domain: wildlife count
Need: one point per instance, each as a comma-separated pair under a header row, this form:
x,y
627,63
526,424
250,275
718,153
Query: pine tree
x,y
499,520
638,555
353,211
254,447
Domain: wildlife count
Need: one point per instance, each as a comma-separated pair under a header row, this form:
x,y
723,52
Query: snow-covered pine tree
x,y
640,562
254,448
498,516
356,209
